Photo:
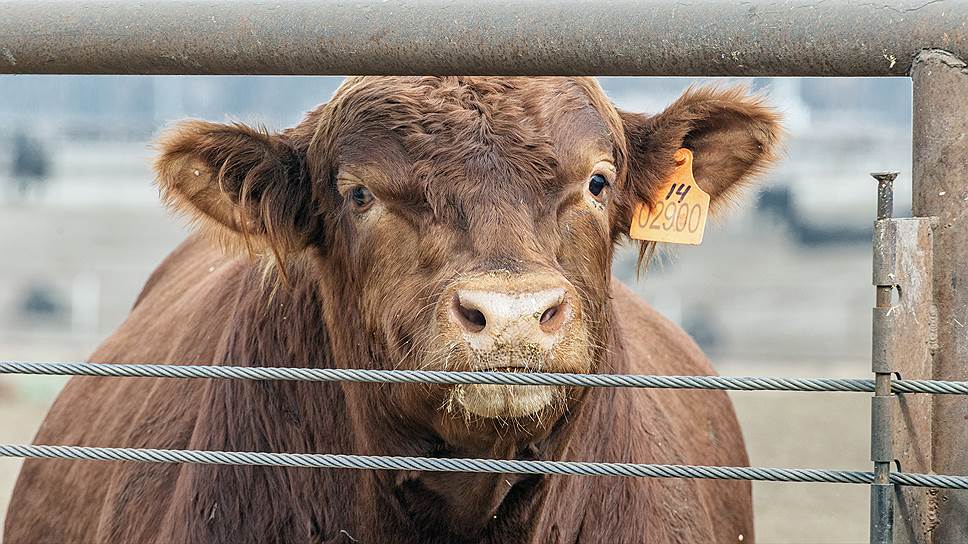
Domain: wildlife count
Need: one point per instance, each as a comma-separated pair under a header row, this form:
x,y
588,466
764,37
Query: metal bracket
x,y
903,262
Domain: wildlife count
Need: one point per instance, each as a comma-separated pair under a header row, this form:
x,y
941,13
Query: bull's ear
x,y
733,136
246,186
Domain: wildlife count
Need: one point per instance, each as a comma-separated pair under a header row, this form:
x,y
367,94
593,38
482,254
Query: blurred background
x,y
782,286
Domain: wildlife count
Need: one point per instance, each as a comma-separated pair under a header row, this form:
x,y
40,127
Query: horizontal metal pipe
x,y
527,37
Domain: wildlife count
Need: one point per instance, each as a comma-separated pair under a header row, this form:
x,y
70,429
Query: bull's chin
x,y
505,401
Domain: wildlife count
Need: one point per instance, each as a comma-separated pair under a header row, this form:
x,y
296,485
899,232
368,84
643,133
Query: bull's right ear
x,y
248,187
733,136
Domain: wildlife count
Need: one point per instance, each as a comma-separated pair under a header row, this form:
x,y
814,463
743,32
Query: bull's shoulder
x,y
651,343
672,426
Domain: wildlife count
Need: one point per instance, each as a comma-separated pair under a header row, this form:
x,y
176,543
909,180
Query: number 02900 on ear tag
x,y
679,216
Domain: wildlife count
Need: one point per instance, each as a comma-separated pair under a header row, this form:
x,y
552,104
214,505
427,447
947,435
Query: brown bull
x,y
421,223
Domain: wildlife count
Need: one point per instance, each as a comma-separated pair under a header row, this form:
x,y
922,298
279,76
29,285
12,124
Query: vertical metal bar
x,y
882,492
940,147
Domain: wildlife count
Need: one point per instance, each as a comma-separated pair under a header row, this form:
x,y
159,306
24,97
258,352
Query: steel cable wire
x,y
498,378
476,465
500,466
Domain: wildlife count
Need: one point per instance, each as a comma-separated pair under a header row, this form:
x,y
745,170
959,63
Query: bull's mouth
x,y
538,403
503,401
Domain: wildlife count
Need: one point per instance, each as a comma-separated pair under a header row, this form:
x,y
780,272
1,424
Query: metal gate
x,y
920,343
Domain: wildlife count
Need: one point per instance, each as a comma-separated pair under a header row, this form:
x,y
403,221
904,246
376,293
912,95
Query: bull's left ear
x,y
248,187
733,136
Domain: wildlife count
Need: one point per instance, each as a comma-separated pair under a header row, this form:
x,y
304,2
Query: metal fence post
x,y
940,147
903,339
882,430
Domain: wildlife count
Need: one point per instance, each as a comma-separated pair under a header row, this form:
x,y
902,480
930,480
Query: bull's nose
x,y
531,316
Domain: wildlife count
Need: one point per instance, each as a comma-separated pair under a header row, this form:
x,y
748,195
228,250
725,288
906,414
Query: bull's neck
x,y
293,325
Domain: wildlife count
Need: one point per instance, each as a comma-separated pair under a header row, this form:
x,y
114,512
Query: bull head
x,y
460,223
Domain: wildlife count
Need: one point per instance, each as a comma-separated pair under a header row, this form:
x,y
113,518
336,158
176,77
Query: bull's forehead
x,y
412,99
499,134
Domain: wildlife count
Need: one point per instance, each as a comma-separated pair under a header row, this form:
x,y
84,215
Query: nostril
x,y
548,314
554,317
471,319
473,316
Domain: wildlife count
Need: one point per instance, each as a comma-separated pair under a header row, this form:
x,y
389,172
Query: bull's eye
x,y
597,184
361,196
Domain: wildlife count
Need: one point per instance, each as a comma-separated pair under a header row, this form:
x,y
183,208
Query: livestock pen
x,y
918,346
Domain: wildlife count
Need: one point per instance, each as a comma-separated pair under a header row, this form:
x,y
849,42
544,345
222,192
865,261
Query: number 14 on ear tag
x,y
679,216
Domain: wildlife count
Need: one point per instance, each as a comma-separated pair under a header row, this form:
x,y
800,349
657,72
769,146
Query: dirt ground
x,y
806,430
781,430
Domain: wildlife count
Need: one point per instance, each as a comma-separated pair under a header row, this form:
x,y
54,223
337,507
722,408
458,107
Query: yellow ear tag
x,y
679,217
